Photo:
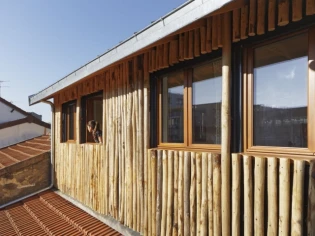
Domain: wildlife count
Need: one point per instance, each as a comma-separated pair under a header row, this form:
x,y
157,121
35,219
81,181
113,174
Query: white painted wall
x,y
20,133
6,114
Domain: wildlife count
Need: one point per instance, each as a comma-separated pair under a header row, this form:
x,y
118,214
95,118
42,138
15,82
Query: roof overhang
x,y
170,23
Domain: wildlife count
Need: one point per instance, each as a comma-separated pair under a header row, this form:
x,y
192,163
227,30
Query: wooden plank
x,y
259,193
186,46
186,193
164,193
181,194
214,33
197,43
217,223
261,5
209,35
204,195
176,195
236,193
297,198
155,173
203,49
283,12
210,194
153,59
219,29
272,196
310,7
271,15
181,47
158,195
236,25
193,195
248,196
170,193
173,52
252,18
199,194
166,55
150,196
297,10
311,200
284,195
244,22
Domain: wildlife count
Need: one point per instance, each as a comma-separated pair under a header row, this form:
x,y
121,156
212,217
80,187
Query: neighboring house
x,y
208,120
17,125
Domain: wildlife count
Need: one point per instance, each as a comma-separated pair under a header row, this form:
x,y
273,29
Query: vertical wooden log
x,y
296,10
217,223
164,193
191,44
166,55
297,198
310,7
197,43
154,189
261,6
158,195
214,32
311,201
150,188
153,59
209,35
210,194
193,195
219,29
248,196
170,189
181,46
244,22
203,40
271,15
283,12
252,18
176,194
199,195
186,193
186,46
236,193
226,126
284,195
181,194
272,196
236,25
173,52
259,194
204,195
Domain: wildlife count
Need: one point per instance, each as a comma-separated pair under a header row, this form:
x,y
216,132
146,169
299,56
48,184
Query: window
x,y
91,109
279,104
68,129
190,106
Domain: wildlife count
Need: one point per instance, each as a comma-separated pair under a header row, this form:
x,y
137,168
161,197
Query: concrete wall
x,y
24,178
19,133
7,115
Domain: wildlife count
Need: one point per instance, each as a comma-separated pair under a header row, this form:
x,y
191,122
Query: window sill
x,y
214,149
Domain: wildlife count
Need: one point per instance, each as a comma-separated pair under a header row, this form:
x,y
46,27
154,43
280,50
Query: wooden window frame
x,y
248,83
187,107
65,131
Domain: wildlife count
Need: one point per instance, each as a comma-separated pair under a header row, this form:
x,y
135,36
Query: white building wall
x,y
19,133
6,114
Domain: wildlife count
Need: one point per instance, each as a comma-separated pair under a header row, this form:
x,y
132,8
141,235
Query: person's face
x,y
89,128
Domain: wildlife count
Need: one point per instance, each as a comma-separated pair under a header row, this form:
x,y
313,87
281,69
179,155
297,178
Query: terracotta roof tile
x,y
24,150
49,214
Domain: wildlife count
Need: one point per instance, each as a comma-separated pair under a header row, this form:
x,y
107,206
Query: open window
x,y
91,109
280,96
190,107
68,127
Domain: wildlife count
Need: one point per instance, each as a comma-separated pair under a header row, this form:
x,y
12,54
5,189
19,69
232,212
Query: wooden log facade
x,y
183,192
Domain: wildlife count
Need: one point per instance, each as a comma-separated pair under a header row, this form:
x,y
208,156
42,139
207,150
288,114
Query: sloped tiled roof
x,y
49,214
24,150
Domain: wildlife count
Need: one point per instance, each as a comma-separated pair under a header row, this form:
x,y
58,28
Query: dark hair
x,y
94,125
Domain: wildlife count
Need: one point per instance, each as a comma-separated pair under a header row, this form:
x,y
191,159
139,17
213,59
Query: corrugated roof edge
x,y
171,22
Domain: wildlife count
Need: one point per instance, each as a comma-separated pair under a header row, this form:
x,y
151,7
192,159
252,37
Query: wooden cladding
x,y
260,16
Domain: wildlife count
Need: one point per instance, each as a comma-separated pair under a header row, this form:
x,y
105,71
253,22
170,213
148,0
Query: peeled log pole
x,y
175,211
272,196
217,226
170,189
180,194
164,194
248,196
284,195
236,191
204,205
226,126
297,198
199,173
158,196
311,200
186,193
193,195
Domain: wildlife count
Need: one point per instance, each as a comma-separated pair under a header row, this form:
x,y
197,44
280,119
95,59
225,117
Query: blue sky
x,y
43,41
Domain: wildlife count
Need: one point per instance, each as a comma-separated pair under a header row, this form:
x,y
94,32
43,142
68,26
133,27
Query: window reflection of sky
x,y
176,90
282,85
207,91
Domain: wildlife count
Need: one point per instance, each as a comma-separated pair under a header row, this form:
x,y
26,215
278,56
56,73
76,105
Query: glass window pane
x,y
71,121
280,93
173,108
206,103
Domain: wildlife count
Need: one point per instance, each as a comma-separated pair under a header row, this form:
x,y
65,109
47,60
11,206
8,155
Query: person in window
x,y
93,127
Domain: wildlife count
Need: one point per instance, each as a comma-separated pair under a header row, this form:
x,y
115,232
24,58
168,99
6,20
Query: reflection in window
x,y
173,108
206,103
280,93
68,121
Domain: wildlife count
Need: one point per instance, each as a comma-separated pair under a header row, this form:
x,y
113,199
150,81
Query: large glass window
x,y
190,106
279,91
68,123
